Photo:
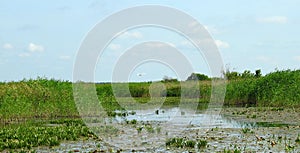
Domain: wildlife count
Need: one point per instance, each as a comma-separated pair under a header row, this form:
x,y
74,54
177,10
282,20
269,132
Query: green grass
x,y
185,143
49,98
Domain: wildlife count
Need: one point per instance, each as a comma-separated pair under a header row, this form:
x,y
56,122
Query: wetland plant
x,y
158,130
190,143
33,135
185,143
134,121
236,150
150,129
201,144
139,129
246,130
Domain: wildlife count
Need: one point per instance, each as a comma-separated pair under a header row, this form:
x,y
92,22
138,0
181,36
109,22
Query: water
x,y
177,117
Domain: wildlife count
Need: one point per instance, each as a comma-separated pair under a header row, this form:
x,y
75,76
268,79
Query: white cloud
x,y
35,48
64,57
24,55
134,34
222,44
8,46
273,19
114,46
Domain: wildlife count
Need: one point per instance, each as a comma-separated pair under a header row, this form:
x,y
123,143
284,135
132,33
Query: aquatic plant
x,y
185,143
201,144
246,130
235,150
35,134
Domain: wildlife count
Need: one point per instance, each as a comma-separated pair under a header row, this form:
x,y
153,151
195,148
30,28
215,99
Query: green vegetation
x,y
278,89
185,143
46,100
246,130
35,134
236,150
40,98
198,77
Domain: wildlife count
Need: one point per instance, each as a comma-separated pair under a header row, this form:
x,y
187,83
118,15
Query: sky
x,y
42,38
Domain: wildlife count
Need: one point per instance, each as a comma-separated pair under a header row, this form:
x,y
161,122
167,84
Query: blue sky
x,y
41,38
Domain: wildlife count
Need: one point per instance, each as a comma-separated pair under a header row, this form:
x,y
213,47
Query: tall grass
x,y
279,88
39,98
49,98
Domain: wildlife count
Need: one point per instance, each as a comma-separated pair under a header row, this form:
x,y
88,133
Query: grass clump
x,y
201,144
246,130
185,143
235,150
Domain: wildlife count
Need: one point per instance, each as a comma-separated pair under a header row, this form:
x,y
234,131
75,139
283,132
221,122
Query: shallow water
x,y
221,131
176,116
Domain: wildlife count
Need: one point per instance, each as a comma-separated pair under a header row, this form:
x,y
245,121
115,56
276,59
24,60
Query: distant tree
x,y
169,79
197,76
258,73
232,75
247,74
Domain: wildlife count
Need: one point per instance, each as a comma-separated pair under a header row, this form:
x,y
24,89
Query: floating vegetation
x,y
29,136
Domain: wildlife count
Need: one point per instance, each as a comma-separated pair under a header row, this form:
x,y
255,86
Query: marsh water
x,y
244,129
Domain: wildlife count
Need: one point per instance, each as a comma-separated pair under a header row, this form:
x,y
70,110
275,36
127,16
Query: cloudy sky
x,y
41,38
